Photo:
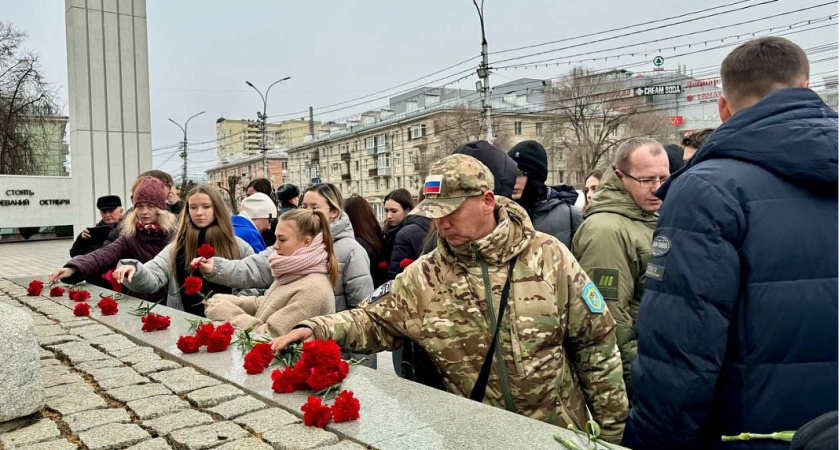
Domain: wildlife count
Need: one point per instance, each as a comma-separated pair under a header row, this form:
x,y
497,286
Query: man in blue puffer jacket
x,y
737,330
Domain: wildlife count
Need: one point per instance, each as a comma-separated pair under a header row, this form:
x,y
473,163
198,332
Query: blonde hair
x,y
309,222
165,220
331,193
219,234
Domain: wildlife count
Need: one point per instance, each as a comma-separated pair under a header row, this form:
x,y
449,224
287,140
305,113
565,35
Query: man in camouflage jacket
x,y
557,338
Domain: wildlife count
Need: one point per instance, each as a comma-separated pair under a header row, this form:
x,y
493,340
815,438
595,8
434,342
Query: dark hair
x,y
365,225
401,196
697,139
761,66
261,185
286,192
164,177
597,173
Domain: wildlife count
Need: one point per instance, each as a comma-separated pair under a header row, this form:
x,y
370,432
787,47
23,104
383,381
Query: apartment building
x,y
244,169
243,137
393,148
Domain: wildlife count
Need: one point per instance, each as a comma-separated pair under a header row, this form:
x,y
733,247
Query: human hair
x,y
364,221
262,185
310,222
401,196
697,139
597,173
330,192
164,177
761,66
219,234
626,148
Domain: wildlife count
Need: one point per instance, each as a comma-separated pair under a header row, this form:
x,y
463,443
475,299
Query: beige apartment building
x,y
393,148
243,137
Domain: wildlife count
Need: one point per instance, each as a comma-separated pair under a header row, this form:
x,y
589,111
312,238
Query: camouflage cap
x,y
452,180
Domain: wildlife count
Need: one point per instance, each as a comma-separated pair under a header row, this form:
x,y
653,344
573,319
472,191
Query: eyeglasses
x,y
521,173
648,182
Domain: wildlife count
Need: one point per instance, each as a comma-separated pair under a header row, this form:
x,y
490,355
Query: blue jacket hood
x,y
790,132
563,192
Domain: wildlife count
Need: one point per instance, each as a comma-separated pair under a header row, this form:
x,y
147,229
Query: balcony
x,y
315,158
345,177
345,156
383,149
380,172
371,151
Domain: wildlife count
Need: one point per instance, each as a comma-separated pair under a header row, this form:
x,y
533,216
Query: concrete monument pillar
x,y
110,119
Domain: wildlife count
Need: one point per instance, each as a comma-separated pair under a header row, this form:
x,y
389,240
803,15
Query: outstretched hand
x,y
63,272
127,271
296,335
203,264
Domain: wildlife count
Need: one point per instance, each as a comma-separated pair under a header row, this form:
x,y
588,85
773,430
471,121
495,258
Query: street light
x,y
263,130
184,150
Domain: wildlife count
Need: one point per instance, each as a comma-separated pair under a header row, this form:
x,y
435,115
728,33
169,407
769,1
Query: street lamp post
x,y
184,150
263,130
484,73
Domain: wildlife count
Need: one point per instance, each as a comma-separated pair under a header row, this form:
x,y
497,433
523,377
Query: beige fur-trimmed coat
x,y
281,308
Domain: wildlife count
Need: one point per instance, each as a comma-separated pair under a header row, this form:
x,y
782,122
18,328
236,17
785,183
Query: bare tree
x,y
232,184
27,101
593,112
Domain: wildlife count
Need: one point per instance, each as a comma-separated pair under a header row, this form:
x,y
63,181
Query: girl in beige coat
x,y
305,269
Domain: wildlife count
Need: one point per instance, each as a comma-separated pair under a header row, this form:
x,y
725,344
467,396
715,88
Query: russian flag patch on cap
x,y
432,185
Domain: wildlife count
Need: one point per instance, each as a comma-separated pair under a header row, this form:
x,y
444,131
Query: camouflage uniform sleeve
x,y
590,336
378,324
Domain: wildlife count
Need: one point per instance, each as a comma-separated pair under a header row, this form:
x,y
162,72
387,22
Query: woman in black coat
x,y
369,235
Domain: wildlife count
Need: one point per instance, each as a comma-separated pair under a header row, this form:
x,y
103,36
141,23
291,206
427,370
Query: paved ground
x,y
40,258
103,391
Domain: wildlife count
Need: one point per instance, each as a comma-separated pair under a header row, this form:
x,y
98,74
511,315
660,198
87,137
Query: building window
x,y
357,166
335,167
380,141
397,136
416,132
517,128
538,127
370,143
596,129
410,106
284,165
411,158
432,99
397,160
383,162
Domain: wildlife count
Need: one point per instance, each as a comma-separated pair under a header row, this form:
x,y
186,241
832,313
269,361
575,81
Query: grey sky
x,y
202,51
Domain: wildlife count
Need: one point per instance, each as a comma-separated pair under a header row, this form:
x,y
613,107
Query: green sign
x,y
658,61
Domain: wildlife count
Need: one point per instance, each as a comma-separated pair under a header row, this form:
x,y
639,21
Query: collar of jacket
x,y
512,234
613,198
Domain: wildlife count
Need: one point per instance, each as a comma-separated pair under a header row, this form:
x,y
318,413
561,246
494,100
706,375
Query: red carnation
x,y
34,288
318,353
57,291
316,414
346,407
405,263
115,285
322,377
219,342
187,344
154,322
192,285
253,364
78,295
206,251
81,310
283,380
226,329
203,333
108,306
382,265
258,358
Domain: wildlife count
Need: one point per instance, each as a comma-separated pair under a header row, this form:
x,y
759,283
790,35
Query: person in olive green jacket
x,y
613,244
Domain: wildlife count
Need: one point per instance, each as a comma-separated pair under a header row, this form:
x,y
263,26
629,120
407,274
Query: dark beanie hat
x,y
675,157
531,158
501,166
151,191
287,192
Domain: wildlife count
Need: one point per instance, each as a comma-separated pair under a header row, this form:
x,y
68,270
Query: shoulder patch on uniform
x,y
661,246
655,271
607,282
593,298
380,292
